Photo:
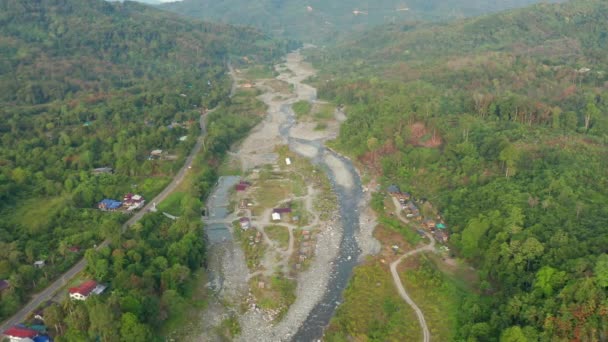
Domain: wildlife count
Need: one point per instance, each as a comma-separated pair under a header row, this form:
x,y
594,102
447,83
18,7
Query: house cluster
x,y
86,289
34,331
129,203
23,333
408,205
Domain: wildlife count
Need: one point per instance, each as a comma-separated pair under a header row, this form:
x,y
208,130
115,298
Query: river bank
x,y
342,241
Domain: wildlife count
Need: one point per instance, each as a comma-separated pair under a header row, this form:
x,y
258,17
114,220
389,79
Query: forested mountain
x,y
502,122
318,20
87,84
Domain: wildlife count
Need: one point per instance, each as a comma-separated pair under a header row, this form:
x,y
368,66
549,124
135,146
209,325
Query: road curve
x,y
426,336
60,282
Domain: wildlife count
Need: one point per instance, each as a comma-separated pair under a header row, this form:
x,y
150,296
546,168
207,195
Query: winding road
x,y
47,294
426,336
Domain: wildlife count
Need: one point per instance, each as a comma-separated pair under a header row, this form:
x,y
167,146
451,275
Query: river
x,y
319,288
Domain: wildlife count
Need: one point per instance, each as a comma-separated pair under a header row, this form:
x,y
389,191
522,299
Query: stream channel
x,y
346,184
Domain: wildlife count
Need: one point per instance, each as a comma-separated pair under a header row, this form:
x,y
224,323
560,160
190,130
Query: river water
x,y
347,186
318,302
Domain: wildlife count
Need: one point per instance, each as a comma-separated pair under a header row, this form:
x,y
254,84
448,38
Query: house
x,y
109,205
102,170
441,226
156,153
42,338
287,161
183,138
82,291
245,223
282,210
133,201
39,264
74,249
393,189
20,334
441,236
429,224
242,186
276,217
4,285
99,289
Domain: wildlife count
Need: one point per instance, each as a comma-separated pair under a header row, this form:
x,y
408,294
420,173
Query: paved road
x,y
426,336
48,293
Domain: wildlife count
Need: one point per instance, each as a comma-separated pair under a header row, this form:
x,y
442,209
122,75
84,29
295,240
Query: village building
x,y
276,217
109,205
133,201
393,189
245,223
74,249
86,289
183,138
441,236
20,334
156,153
102,170
39,264
287,161
429,224
242,186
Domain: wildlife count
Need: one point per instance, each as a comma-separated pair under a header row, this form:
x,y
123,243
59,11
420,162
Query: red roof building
x,y
82,291
16,334
282,210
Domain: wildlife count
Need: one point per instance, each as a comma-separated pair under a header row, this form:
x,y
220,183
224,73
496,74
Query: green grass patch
x,y
195,294
173,203
301,108
150,187
278,234
372,310
254,252
35,212
408,233
229,328
438,296
277,294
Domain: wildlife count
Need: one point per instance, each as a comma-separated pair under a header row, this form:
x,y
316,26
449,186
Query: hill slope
x,y
502,122
318,20
87,84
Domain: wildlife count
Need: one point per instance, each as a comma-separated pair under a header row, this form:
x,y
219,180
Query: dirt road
x,y
426,336
48,293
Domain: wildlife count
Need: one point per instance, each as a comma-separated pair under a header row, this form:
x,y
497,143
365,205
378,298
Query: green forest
x,y
502,122
321,21
88,84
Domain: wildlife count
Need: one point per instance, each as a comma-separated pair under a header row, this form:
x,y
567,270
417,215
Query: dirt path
x,y
426,336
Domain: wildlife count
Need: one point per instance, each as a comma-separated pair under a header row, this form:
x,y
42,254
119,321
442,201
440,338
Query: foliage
x,y
87,84
497,123
320,21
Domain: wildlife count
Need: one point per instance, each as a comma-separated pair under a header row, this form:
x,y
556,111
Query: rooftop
x,y
4,284
85,288
20,332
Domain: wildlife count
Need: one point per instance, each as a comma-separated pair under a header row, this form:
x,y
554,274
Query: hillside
x,y
86,84
319,21
502,122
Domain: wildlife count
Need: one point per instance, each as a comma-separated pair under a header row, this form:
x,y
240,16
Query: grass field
x,y
278,234
173,203
438,294
372,310
278,293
